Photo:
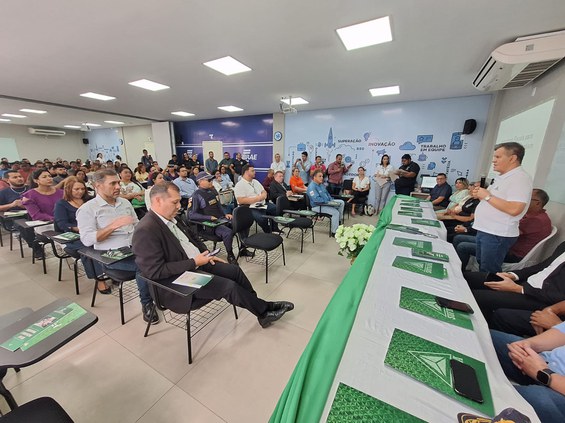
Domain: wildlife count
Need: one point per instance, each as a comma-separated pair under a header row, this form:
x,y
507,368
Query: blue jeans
x,y
465,247
266,224
491,250
129,265
548,404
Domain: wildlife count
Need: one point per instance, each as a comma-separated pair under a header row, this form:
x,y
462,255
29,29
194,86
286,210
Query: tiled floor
x,y
111,373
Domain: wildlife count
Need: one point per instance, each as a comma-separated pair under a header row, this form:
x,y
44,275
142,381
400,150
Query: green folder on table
x,y
428,254
426,304
409,213
283,219
412,243
412,209
422,267
67,236
428,362
351,405
426,222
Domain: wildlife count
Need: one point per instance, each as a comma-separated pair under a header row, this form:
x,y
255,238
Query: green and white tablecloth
x,y
349,346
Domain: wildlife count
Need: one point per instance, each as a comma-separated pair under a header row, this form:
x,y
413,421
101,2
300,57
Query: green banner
x,y
306,393
425,304
351,405
428,363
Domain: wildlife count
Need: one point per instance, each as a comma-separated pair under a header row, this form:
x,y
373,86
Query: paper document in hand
x,y
193,280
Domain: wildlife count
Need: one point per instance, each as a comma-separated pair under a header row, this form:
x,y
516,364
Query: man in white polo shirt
x,y
249,192
502,206
278,165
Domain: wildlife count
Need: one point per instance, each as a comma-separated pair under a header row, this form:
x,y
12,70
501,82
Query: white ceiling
x,y
51,51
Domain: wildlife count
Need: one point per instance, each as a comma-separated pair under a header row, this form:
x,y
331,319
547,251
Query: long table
x,y
360,364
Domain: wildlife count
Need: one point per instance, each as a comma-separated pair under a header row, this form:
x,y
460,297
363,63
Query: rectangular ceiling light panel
x,y
227,65
39,112
376,92
230,109
149,85
366,34
296,101
183,114
97,96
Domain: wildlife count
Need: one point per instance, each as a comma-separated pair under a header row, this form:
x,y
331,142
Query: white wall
x,y
34,147
135,140
512,102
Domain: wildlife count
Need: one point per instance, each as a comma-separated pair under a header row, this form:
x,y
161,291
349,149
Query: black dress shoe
x,y
246,253
285,305
105,291
232,259
146,311
270,316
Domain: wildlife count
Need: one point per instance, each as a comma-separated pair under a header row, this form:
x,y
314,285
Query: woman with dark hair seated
x,y
361,186
459,215
75,195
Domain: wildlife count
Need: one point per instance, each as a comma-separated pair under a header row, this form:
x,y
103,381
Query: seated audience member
x,y
226,176
526,322
206,206
141,173
296,183
132,191
461,216
459,196
268,180
164,251
441,193
185,161
40,202
360,188
170,173
61,173
195,171
280,188
534,227
228,165
320,197
157,178
107,222
248,191
532,288
221,183
186,186
537,367
278,164
10,197
74,196
195,163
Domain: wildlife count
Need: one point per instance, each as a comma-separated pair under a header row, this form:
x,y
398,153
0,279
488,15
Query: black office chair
x,y
202,231
44,410
241,222
63,254
302,223
119,277
177,303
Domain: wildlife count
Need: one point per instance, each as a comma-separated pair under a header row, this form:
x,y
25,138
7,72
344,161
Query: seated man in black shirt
x,y
407,174
439,196
206,206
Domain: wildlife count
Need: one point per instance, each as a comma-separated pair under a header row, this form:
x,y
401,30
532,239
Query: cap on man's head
x,y
204,175
406,156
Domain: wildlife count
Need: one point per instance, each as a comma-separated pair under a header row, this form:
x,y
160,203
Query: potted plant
x,y
352,239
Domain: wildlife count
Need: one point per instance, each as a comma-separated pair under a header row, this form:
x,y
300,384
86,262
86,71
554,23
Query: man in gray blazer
x,y
165,249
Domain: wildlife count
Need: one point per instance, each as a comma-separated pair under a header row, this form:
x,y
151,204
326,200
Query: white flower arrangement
x,y
352,239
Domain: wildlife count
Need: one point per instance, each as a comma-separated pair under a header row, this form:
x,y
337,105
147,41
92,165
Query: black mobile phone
x,y
454,305
213,253
465,381
493,277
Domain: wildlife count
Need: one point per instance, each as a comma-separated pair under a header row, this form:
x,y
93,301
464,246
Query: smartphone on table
x,y
454,305
465,381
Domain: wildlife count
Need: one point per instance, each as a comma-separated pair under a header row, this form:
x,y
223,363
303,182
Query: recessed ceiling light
x,y
227,65
366,34
114,122
183,114
296,101
72,126
39,112
14,116
98,96
5,120
375,92
149,85
230,109
91,124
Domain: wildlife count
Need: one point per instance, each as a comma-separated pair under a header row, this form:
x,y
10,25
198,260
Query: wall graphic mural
x,y
430,131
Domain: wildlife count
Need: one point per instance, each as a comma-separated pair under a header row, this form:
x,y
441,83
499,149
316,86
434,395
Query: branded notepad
x,y
193,279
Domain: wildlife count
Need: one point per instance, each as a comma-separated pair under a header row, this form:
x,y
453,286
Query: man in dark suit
x,y
532,288
164,251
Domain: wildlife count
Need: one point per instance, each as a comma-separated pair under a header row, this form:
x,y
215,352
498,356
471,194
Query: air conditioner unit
x,y
46,132
516,64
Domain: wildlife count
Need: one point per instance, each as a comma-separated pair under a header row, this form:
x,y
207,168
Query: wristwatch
x,y
544,376
487,198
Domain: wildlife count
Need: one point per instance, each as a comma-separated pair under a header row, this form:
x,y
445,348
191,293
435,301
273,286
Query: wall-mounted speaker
x,y
85,140
469,126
